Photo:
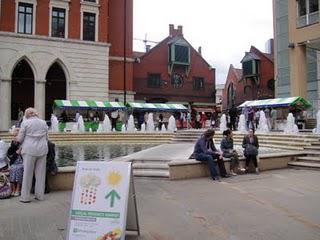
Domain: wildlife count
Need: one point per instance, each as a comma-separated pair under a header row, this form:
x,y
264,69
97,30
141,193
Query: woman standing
x,y
33,137
226,147
250,144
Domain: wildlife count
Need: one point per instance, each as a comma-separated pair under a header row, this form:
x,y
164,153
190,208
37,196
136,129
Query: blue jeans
x,y
211,163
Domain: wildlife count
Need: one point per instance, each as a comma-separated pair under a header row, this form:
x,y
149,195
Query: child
x,y
16,166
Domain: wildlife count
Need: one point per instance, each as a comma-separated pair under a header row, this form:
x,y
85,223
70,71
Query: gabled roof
x,y
267,55
250,56
180,40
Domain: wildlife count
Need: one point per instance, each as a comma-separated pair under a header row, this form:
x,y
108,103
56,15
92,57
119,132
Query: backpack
x,y
5,189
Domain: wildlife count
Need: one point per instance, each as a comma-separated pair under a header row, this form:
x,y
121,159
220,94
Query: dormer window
x,y
250,68
179,54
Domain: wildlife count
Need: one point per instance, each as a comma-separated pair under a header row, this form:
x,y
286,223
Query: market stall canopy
x,y
169,107
297,102
88,104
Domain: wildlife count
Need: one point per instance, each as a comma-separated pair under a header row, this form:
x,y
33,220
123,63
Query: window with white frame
x,y
89,27
59,18
307,12
58,22
25,18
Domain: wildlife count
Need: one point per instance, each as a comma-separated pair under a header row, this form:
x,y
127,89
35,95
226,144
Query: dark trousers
x,y
211,159
252,158
113,123
233,124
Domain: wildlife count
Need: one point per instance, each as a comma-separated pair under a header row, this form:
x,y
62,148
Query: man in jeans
x,y
204,150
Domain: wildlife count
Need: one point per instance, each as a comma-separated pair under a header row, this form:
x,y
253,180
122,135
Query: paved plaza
x,y
275,205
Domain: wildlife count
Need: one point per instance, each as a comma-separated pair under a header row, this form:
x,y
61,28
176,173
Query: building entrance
x,y
22,88
55,87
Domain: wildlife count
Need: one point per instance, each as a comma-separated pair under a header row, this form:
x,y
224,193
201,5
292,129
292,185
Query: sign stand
x,y
132,226
103,202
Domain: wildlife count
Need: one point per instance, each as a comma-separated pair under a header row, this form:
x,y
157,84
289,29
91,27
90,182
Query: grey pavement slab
x,y
275,205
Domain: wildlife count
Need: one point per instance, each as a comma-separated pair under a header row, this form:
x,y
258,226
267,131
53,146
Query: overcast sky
x,y
224,29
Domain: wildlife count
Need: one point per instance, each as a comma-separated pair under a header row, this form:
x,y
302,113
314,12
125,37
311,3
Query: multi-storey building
x,y
297,49
62,49
173,71
254,81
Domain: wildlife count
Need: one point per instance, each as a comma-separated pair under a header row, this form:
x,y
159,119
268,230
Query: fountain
x,y
242,125
163,128
123,128
223,123
130,126
263,123
150,123
106,125
172,124
100,128
54,123
317,129
143,127
80,124
291,127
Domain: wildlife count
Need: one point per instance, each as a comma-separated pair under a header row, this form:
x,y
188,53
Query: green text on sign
x,y
82,213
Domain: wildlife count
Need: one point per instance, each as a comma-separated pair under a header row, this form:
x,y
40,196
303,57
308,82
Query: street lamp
x,y
125,52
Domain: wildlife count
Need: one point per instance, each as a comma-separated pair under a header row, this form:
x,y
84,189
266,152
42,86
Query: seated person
x,y
16,166
204,150
226,147
4,166
250,144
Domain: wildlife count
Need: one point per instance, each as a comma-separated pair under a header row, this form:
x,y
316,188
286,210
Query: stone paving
x,y
275,205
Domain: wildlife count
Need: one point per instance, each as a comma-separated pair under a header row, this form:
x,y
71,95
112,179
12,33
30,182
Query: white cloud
x,y
224,29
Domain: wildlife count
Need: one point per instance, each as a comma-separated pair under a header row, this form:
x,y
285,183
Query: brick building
x,y
173,71
254,81
62,49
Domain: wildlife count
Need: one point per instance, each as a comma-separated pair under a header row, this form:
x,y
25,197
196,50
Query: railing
x,y
308,19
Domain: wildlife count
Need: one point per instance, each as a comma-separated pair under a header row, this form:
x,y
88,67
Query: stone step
x,y
154,166
317,148
308,165
309,159
151,173
312,153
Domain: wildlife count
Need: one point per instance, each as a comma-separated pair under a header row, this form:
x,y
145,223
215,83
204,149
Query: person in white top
x,y
3,156
33,137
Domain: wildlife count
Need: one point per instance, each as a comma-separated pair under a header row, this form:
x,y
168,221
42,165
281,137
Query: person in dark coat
x,y
51,166
250,144
205,150
233,117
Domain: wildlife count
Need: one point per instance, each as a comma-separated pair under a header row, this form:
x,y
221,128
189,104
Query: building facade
x,y
254,81
57,49
173,71
297,50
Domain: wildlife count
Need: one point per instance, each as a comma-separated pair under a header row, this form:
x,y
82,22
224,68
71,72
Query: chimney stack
x,y
180,31
171,30
148,47
200,50
175,32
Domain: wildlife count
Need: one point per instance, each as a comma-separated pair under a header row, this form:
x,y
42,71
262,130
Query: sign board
x,y
100,201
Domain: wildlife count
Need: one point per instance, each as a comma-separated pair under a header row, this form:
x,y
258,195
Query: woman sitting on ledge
x,y
204,150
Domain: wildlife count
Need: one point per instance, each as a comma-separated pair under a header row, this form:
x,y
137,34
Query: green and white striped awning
x,y
87,104
297,102
157,106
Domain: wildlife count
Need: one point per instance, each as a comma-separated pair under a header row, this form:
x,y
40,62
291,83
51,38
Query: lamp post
x,y
125,52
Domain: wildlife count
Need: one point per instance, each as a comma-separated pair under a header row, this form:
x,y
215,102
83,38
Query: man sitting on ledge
x,y
205,150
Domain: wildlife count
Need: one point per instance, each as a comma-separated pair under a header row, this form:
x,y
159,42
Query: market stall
x,y
295,105
92,112
165,109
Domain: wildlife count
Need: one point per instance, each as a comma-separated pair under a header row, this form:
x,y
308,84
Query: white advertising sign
x,y
99,201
